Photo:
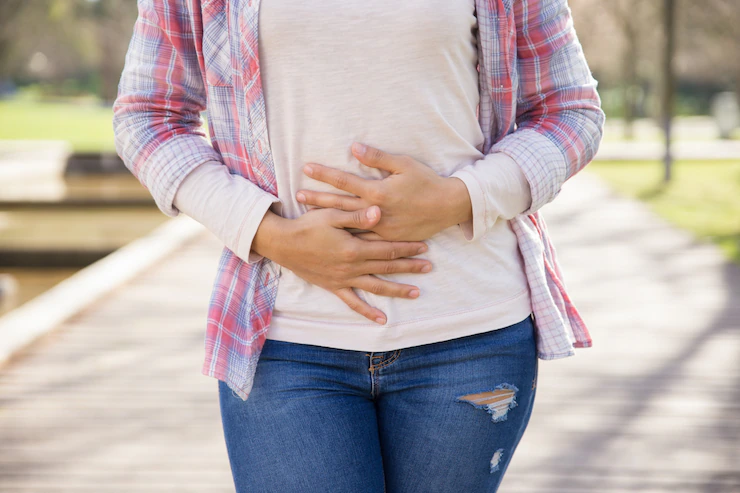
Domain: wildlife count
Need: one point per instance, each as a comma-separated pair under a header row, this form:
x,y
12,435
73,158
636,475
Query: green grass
x,y
88,127
703,196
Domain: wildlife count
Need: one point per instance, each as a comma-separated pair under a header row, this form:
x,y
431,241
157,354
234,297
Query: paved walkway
x,y
114,401
654,406
35,160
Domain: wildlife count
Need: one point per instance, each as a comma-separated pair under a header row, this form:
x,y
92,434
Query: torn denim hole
x,y
497,401
496,459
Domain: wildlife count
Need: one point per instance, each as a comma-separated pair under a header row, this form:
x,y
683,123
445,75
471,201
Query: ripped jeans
x,y
443,417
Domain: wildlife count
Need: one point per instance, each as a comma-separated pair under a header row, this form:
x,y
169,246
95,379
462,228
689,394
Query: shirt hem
x,y
369,337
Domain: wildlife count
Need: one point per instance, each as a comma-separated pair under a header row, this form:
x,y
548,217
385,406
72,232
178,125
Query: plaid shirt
x,y
538,104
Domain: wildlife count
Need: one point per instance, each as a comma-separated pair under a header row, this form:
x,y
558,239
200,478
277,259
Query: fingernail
x,y
422,249
372,213
300,197
359,148
414,293
426,268
308,170
380,320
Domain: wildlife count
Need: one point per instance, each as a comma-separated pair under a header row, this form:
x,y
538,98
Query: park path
x,y
654,406
113,401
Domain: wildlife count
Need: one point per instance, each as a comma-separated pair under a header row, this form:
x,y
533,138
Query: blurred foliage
x,y
703,197
66,48
623,41
689,102
57,41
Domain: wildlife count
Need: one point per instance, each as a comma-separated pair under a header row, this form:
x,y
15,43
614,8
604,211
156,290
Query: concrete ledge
x,y
52,257
76,202
23,325
35,160
86,163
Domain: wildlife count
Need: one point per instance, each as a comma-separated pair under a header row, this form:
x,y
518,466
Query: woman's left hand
x,y
415,202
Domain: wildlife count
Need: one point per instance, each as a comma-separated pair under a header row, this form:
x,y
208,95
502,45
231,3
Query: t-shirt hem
x,y
374,337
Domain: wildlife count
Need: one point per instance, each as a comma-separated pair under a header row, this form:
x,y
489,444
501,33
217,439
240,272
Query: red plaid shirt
x,y
538,104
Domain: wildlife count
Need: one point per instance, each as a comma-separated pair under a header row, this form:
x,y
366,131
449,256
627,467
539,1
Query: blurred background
x,y
669,78
65,201
60,61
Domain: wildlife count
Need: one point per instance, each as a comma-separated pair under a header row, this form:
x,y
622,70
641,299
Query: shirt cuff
x,y
498,188
229,206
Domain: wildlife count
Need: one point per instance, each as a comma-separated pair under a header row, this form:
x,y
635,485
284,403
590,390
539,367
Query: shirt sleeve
x,y
498,190
559,120
229,206
157,121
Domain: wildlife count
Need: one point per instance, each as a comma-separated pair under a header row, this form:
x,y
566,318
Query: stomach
x,y
465,276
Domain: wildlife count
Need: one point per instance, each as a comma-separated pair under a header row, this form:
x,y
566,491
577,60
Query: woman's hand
x,y
415,202
319,250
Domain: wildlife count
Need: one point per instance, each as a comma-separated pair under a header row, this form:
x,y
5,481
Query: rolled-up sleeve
x,y
559,120
229,206
158,129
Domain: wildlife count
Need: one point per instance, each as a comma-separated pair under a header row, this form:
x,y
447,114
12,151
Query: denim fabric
x,y
442,417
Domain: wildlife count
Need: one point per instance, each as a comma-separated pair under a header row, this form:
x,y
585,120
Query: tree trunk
x,y
630,82
669,26
10,10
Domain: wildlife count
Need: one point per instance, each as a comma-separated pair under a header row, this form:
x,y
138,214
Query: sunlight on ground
x,y
703,197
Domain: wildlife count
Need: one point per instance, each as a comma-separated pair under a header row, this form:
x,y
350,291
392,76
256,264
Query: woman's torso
x,y
402,78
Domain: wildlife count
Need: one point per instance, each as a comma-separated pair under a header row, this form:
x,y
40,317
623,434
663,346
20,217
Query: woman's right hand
x,y
319,250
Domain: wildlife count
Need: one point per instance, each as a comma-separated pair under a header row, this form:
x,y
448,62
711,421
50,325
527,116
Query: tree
x,y
10,12
80,39
114,21
622,35
669,50
714,26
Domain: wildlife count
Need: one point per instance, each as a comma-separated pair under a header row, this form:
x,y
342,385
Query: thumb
x,y
360,219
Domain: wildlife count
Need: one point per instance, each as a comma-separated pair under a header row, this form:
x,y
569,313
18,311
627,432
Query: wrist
x,y
271,236
459,207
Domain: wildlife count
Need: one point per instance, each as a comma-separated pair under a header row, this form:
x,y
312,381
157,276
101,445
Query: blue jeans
x,y
441,417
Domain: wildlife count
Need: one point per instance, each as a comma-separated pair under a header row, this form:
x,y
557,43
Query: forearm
x,y
230,206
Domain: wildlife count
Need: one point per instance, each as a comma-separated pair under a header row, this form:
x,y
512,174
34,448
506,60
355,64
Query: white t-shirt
x,y
400,77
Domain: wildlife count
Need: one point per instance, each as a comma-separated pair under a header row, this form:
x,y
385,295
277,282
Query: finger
x,y
389,250
368,235
339,179
331,200
357,304
375,158
382,287
355,219
406,265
